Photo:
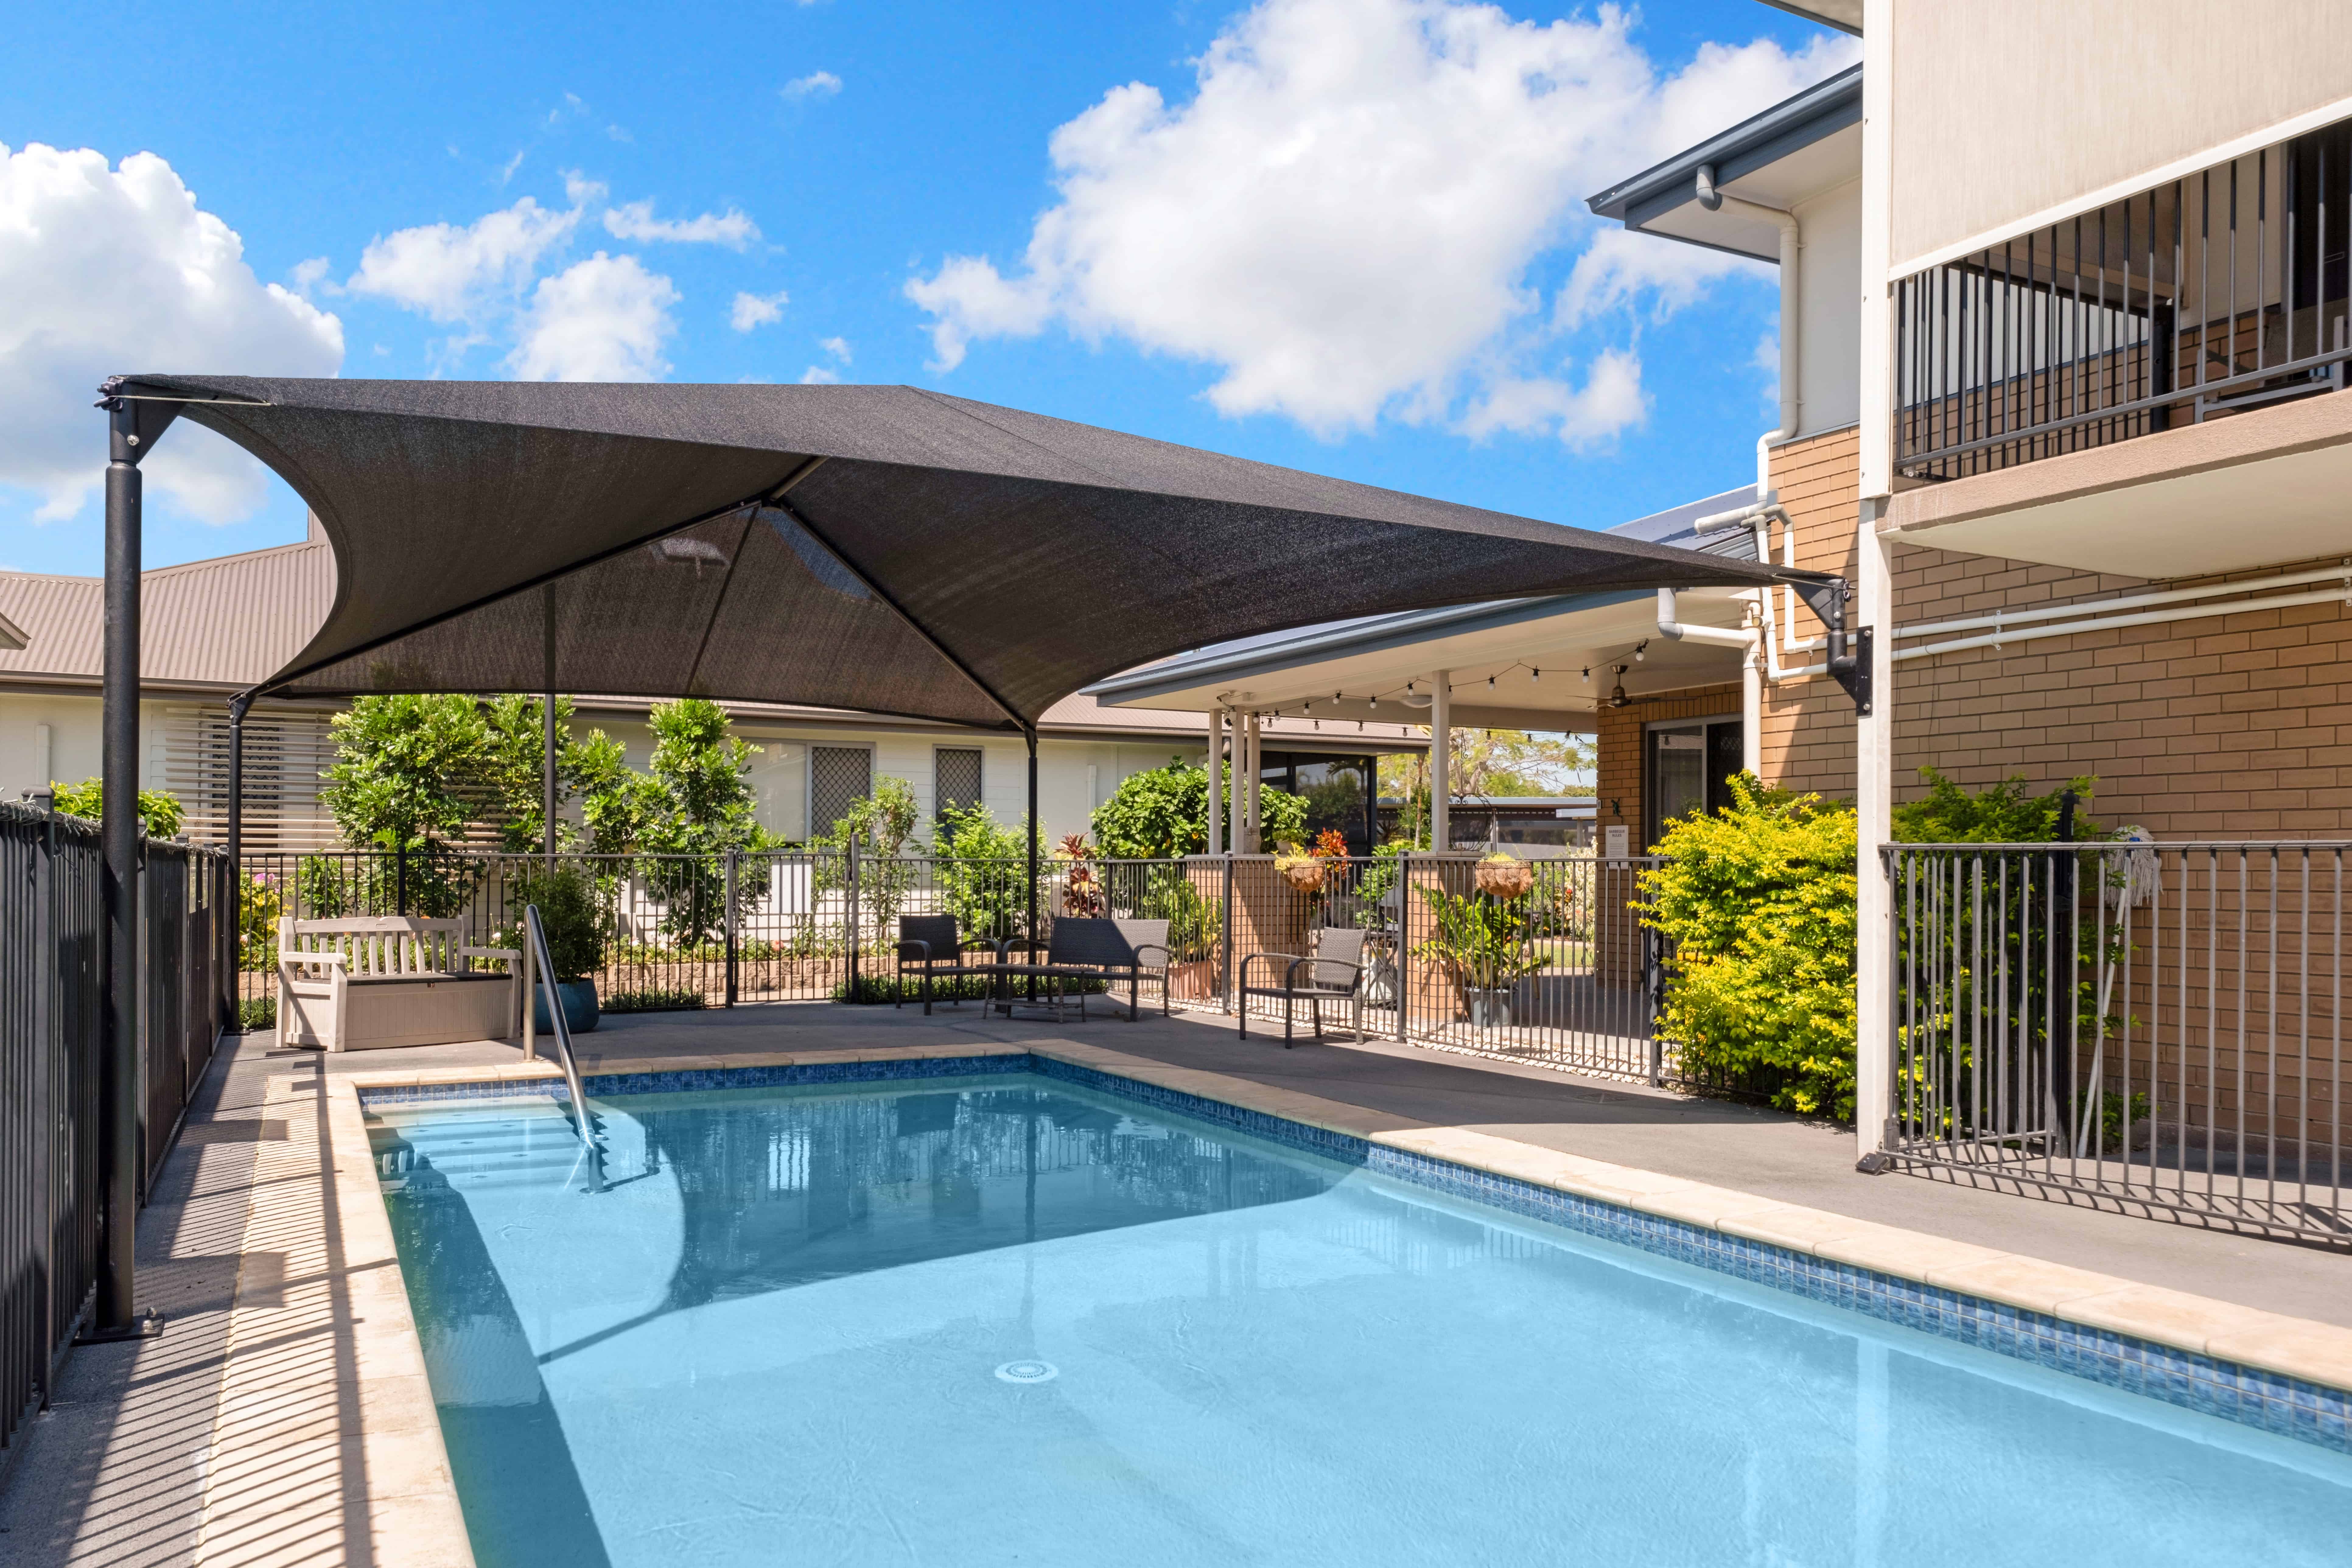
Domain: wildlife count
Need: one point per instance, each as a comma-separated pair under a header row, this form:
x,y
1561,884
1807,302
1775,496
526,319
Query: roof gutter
x,y
1792,252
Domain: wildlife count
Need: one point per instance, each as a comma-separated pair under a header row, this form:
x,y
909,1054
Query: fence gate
x,y
2157,1024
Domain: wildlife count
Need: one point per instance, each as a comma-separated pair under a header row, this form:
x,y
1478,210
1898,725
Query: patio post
x,y
133,426
1873,606
1216,845
1441,760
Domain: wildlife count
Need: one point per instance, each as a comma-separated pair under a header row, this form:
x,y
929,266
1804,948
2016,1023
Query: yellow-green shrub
x,y
1757,902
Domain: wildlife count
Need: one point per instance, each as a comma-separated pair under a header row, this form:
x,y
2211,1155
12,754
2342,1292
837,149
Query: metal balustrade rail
x,y
51,997
2219,291
2159,1025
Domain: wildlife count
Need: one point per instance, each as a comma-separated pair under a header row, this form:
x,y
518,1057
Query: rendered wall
x,y
1829,346
2003,107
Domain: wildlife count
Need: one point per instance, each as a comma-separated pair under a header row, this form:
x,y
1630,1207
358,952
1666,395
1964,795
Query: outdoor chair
x,y
1148,941
1334,973
927,946
1082,949
391,980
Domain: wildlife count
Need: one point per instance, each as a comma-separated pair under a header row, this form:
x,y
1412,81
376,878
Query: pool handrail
x,y
561,1029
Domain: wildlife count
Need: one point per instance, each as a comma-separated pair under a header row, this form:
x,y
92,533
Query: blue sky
x,y
1343,235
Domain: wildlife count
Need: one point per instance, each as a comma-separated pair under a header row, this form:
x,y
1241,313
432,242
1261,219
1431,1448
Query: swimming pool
x,y
1006,1318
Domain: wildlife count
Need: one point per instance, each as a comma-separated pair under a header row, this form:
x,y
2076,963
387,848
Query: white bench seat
x,y
378,981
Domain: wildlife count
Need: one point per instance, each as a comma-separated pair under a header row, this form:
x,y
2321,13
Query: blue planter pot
x,y
579,1013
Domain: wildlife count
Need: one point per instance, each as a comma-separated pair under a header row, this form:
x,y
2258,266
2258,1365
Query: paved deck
x,y
117,1472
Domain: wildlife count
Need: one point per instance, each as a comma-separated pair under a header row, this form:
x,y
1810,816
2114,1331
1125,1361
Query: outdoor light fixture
x,y
1639,649
1588,674
1534,674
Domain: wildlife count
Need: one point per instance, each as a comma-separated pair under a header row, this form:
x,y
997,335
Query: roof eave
x,y
1822,110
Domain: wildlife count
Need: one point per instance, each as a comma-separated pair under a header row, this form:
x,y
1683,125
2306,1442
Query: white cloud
x,y
604,318
824,374
452,274
757,309
1619,267
817,84
311,278
636,221
1610,401
1344,217
113,269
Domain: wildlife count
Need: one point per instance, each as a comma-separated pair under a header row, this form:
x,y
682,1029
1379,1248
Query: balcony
x,y
2143,386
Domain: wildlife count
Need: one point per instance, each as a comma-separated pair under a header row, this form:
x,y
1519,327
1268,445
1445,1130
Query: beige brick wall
x,y
2223,727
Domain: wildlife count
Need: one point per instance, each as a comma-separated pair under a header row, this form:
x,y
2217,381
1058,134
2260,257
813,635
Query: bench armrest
x,y
512,955
339,960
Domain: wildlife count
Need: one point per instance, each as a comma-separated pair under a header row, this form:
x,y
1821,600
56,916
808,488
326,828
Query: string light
x,y
1534,674
1490,683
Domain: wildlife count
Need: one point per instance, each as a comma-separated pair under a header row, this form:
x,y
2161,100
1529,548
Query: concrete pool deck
x,y
282,1417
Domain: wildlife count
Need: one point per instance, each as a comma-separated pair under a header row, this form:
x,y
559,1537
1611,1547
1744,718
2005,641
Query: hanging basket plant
x,y
1504,876
1300,870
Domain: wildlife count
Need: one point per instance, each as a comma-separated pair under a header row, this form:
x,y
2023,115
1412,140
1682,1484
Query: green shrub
x,y
983,873
1163,812
1757,902
160,813
1481,943
654,999
257,1014
574,917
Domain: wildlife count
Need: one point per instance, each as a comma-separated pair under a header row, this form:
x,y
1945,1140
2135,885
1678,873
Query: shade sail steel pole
x,y
118,1124
547,761
1031,734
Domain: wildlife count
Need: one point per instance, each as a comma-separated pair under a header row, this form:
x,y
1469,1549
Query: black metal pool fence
x,y
51,989
1564,975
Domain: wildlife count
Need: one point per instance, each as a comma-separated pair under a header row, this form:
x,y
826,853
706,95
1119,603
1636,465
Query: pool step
x,y
508,1145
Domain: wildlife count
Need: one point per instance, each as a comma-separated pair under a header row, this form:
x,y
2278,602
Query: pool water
x,y
1009,1320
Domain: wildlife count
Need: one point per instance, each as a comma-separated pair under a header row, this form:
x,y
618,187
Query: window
x,y
1687,770
955,780
839,777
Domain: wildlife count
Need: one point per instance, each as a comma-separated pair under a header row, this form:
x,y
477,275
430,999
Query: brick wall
x,y
2228,726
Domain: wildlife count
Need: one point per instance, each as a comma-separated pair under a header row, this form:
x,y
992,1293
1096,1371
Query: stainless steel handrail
x,y
561,1029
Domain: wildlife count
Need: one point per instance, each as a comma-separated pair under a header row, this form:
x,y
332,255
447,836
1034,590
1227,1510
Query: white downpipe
x,y
1751,677
1441,760
1792,251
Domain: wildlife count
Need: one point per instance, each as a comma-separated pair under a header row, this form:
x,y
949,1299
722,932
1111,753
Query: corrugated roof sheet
x,y
231,621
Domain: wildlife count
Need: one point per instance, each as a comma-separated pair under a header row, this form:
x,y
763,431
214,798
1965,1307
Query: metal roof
x,y
1370,633
227,622
1819,111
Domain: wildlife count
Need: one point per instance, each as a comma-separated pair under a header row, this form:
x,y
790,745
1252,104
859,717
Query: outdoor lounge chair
x,y
927,946
1335,972
1148,941
1084,948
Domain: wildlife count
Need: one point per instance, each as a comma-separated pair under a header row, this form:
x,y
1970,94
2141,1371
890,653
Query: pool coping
x,y
2267,1370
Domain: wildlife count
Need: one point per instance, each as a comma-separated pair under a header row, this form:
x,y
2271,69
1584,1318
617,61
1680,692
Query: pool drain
x,y
1028,1372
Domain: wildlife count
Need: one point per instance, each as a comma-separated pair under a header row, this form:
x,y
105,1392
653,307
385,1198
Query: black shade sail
x,y
882,549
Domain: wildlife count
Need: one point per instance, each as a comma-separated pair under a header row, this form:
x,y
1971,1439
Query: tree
x,y
696,807
513,764
400,765
983,871
160,814
884,824
1163,812
1488,763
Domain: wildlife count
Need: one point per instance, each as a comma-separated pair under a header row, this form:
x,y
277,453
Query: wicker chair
x,y
1086,949
1334,973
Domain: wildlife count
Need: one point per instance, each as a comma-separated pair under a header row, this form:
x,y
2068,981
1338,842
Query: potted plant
x,y
572,918
1482,946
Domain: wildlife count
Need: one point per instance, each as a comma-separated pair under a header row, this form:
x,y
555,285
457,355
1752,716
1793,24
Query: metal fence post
x,y
728,917
851,915
1226,946
1403,946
